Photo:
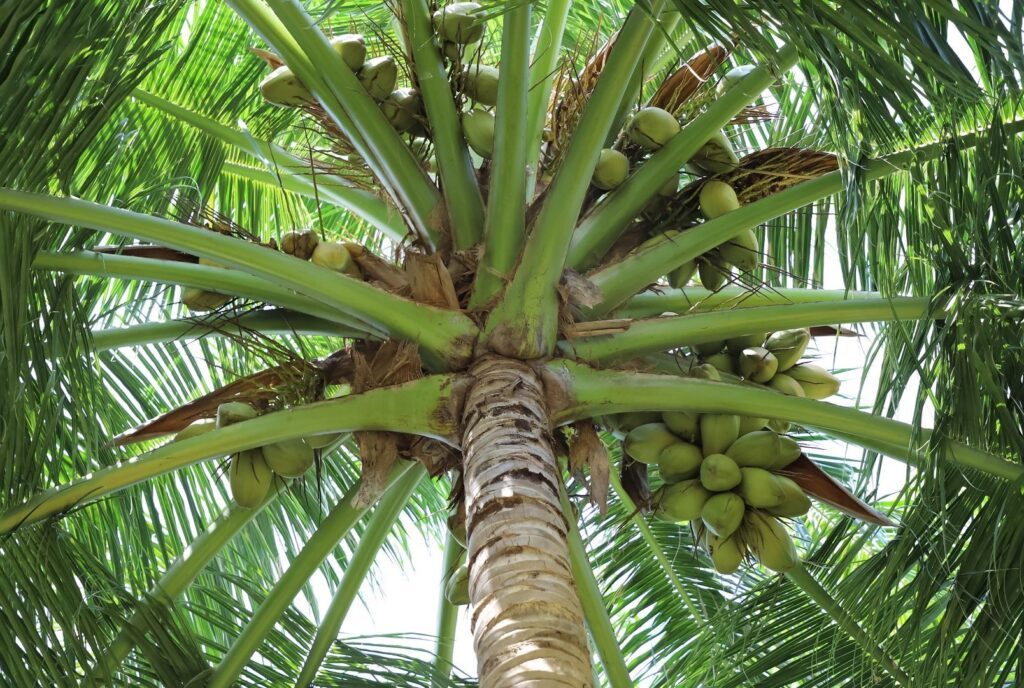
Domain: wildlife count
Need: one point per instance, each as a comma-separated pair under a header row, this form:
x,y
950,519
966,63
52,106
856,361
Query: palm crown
x,y
432,251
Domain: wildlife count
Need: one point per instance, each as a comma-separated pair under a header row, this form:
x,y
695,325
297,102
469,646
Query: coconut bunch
x,y
252,471
304,245
333,255
378,76
774,361
728,480
458,26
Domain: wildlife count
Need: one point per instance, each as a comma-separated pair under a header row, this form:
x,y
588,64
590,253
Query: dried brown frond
x,y
633,475
570,92
682,84
429,281
587,449
295,381
766,172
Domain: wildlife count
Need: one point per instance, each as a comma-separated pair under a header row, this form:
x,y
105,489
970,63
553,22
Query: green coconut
x,y
742,250
733,76
459,23
716,199
478,126
715,157
402,108
352,49
283,88
378,76
480,82
612,169
652,127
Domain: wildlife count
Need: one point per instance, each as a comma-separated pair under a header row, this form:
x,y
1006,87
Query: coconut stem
x,y
661,334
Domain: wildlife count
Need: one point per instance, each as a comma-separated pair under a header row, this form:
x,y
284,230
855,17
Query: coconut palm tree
x,y
277,298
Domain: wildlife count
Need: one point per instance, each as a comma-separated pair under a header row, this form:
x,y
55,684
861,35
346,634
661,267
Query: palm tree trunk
x,y
526,615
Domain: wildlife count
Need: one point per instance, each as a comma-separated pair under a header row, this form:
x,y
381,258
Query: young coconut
x,y
334,256
652,128
679,461
723,363
682,501
717,198
712,277
646,442
758,364
718,432
283,88
378,76
480,82
682,275
787,385
196,299
478,126
715,157
612,169
289,458
760,449
769,542
352,49
683,423
726,553
251,478
741,251
723,513
300,244
459,23
788,346
816,382
402,107
719,473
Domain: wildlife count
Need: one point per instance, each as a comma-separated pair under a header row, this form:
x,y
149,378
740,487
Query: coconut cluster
x,y
304,245
378,76
772,360
252,471
333,255
727,477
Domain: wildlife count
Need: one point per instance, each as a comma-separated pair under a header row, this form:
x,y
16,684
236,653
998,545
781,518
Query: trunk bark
x,y
526,616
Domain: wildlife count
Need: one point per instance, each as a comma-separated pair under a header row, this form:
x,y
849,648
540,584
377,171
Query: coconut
x,y
289,458
758,364
612,169
378,76
250,478
480,82
452,51
300,244
716,199
715,157
741,251
196,299
478,126
402,108
335,256
652,128
682,275
352,49
456,589
712,277
283,88
459,23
